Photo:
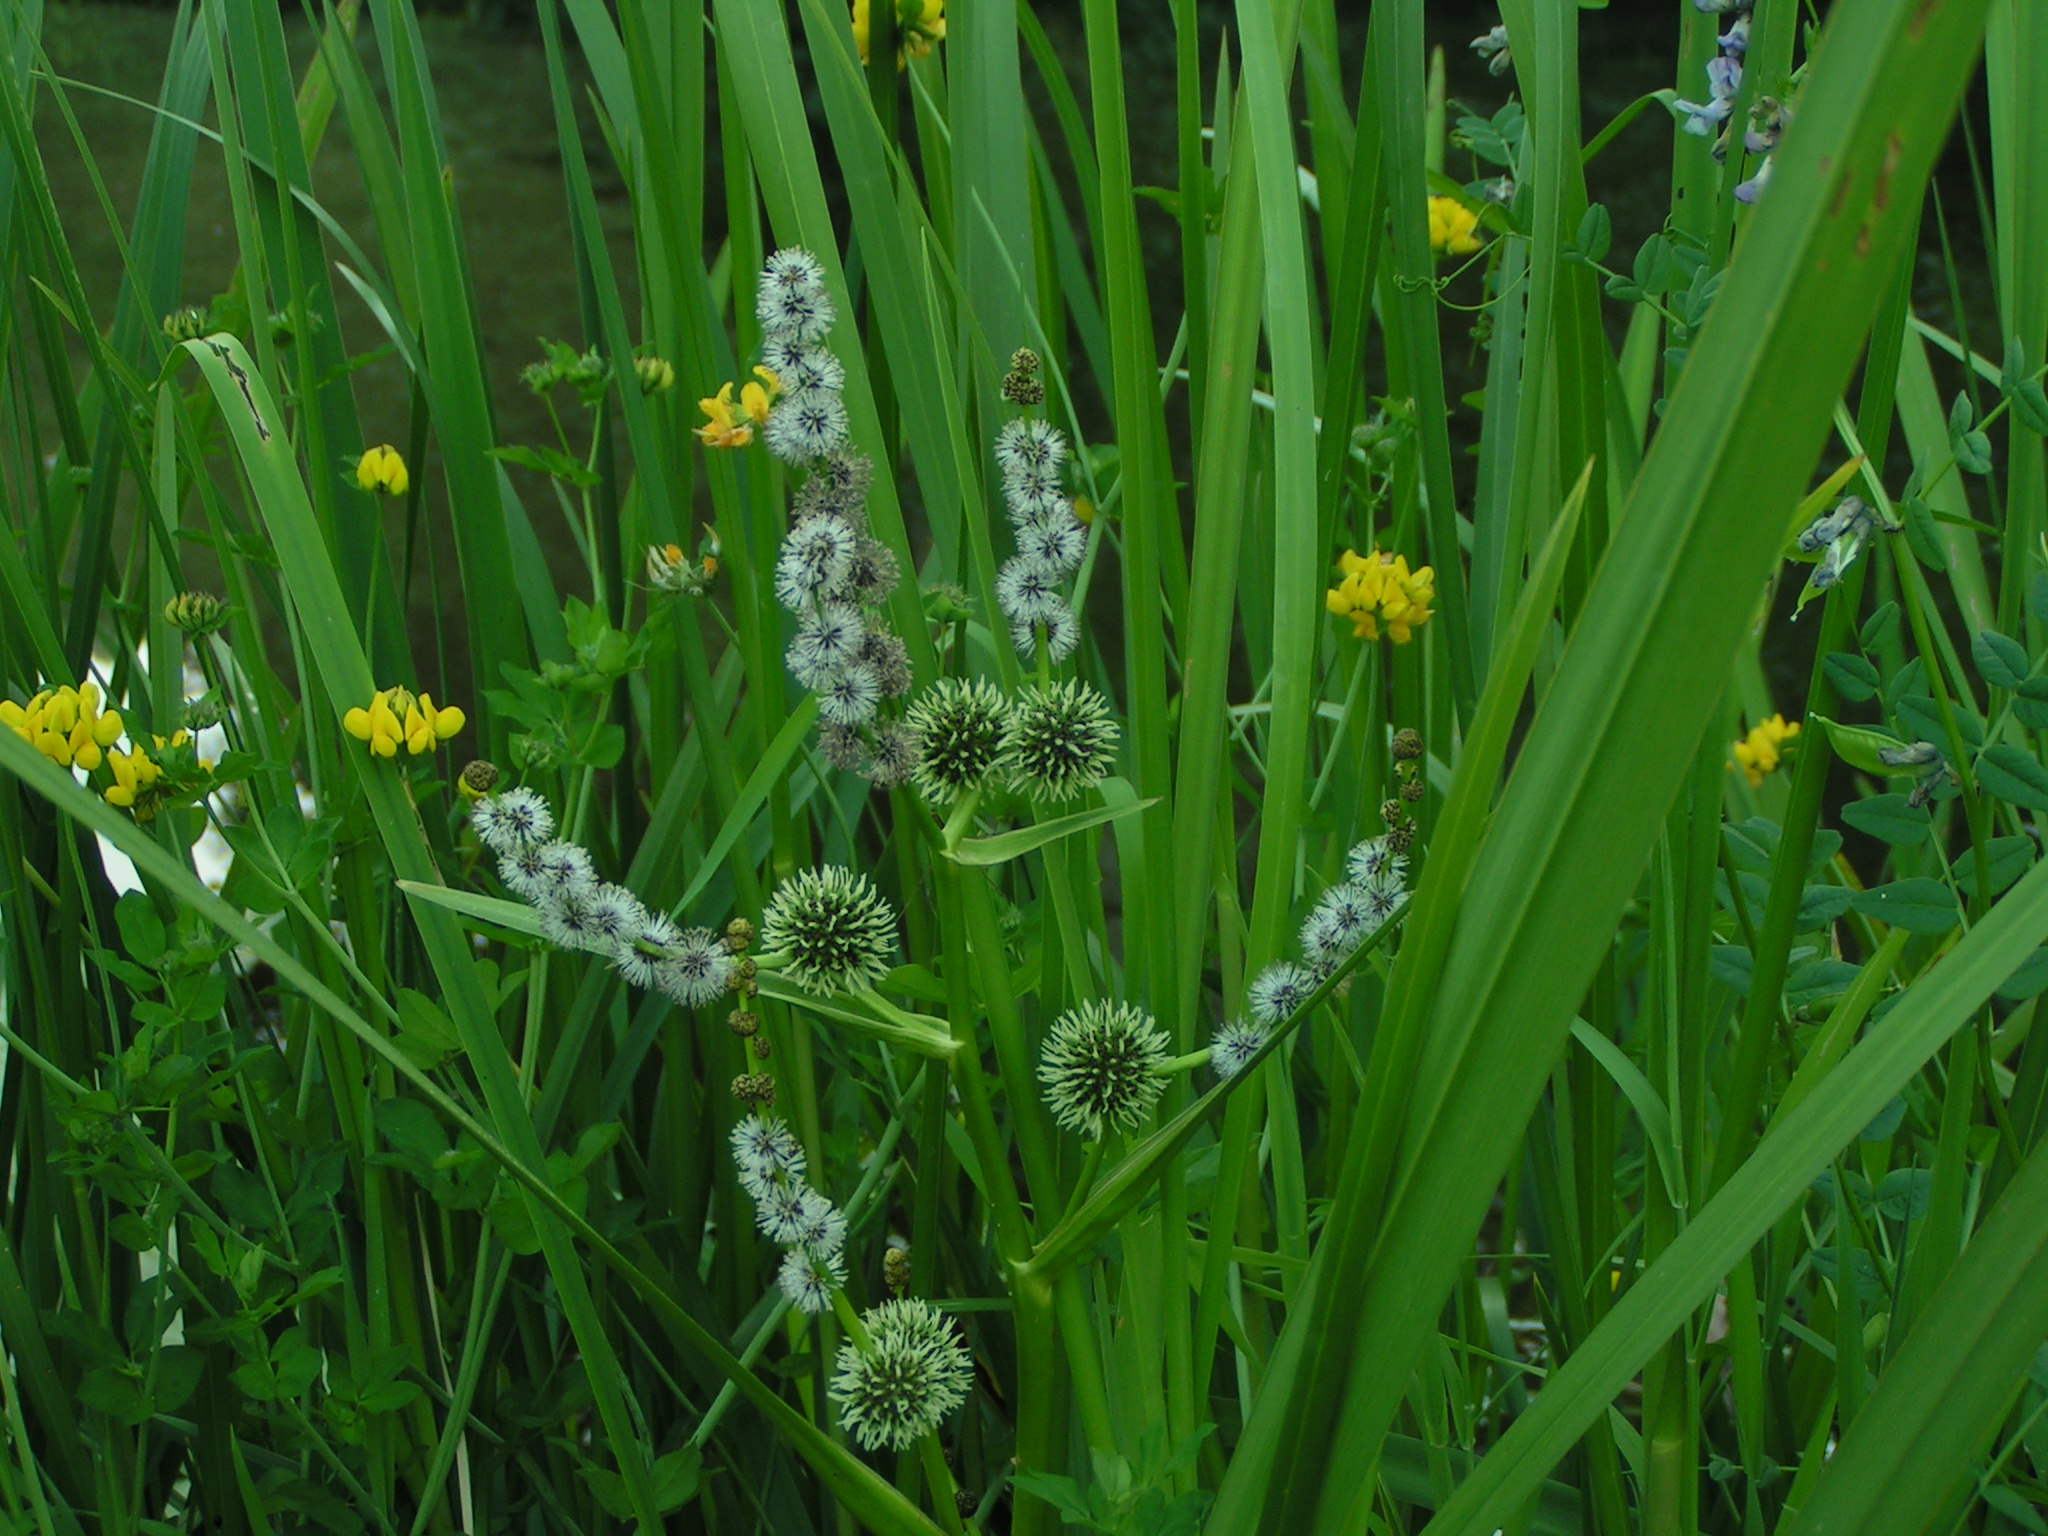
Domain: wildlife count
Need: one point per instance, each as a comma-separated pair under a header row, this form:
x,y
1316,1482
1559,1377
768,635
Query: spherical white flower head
x,y
835,928
1337,925
790,300
1041,498
821,1226
646,947
1030,445
1027,590
696,969
814,559
508,822
569,920
1279,990
808,1278
1058,627
797,366
1057,541
806,425
828,639
565,869
851,696
1100,1068
765,1151
959,727
1236,1043
1059,740
913,1373
780,1212
1376,859
1382,898
615,916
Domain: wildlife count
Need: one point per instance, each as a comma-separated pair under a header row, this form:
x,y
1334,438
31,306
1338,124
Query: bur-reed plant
x,y
1011,915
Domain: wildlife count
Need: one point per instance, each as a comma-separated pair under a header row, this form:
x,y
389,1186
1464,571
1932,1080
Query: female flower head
x,y
1100,1068
959,725
833,926
1060,740
899,1388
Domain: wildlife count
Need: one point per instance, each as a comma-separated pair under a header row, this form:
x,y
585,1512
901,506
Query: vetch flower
x,y
1379,588
670,570
1759,753
912,1372
1059,739
727,424
834,926
397,717
1279,990
1100,1067
1453,228
1493,48
66,725
959,729
381,469
1235,1044
656,375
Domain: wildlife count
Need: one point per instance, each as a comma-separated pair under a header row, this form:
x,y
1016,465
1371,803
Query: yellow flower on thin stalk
x,y
1760,752
1453,228
919,24
397,717
1378,589
381,469
731,423
65,724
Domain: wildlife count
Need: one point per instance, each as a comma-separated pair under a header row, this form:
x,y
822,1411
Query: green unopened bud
x,y
656,374
187,324
196,613
207,710
756,1090
1407,745
739,935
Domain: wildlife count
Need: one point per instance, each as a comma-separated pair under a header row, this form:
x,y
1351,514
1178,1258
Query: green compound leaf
x,y
1891,818
1918,905
2013,775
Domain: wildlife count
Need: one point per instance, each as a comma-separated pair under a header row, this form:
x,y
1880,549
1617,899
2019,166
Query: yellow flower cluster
x,y
1758,753
1379,588
919,24
733,426
1453,228
397,717
138,775
65,724
69,727
381,469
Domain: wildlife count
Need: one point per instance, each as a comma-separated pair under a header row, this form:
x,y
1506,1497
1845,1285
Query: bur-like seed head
x,y
900,1388
1100,1068
842,746
871,575
1060,740
958,723
835,928
884,652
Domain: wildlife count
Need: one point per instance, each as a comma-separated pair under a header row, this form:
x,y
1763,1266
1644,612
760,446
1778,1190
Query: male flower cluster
x,y
1050,538
692,967
790,1212
1379,588
397,717
1760,752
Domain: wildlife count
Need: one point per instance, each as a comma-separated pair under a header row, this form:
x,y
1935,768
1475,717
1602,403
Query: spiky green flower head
x,y
835,928
959,724
1060,740
1101,1066
913,1372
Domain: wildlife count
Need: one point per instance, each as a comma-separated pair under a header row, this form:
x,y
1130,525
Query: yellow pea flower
x,y
919,24
1760,752
1453,228
381,469
397,717
728,426
1379,588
